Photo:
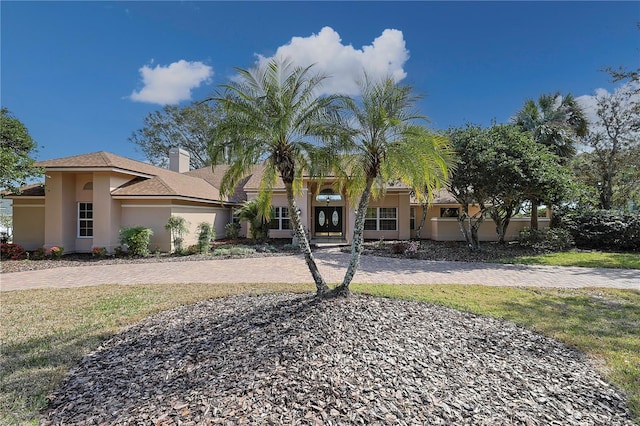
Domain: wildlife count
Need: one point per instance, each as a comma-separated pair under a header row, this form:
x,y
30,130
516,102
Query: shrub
x,y
232,230
56,252
412,248
177,226
12,251
99,252
398,248
291,247
205,234
604,229
137,239
118,251
233,251
39,254
551,239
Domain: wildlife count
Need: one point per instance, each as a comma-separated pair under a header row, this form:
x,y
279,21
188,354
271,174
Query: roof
x,y
442,196
101,160
214,174
147,180
34,190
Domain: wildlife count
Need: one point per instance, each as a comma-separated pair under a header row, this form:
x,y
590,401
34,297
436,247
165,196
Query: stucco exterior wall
x,y
60,211
402,213
194,215
150,215
448,229
28,223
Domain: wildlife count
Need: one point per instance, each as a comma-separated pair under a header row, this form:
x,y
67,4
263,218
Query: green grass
x,y
46,332
593,259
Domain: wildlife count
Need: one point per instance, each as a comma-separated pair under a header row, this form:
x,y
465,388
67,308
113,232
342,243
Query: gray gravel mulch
x,y
290,359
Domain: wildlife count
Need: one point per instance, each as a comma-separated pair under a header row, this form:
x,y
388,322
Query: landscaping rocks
x,y
291,359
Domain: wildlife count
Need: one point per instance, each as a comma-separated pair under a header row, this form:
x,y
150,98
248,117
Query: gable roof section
x,y
213,176
169,185
147,180
102,160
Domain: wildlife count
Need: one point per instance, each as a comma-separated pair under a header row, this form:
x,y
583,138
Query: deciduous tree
x,y
17,149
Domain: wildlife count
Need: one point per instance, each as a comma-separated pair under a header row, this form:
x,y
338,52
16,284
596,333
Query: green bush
x,y
550,239
234,251
205,234
137,239
177,226
9,251
604,229
232,230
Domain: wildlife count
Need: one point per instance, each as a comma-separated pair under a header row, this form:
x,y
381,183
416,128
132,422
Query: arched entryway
x,y
329,216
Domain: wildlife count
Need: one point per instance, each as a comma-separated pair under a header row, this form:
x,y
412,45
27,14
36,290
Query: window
x,y
85,220
412,218
449,212
381,219
280,219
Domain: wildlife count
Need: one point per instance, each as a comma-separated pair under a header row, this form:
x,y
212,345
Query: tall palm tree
x,y
387,146
557,122
273,115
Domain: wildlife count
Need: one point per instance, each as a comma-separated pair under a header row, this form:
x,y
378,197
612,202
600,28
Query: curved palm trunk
x,y
422,221
356,244
321,285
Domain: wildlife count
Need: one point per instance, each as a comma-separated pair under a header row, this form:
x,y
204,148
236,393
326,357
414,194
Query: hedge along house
x,y
86,200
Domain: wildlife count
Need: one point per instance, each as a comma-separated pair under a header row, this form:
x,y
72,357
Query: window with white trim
x,y
280,219
381,219
85,220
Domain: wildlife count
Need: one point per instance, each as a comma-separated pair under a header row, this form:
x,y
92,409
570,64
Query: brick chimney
x,y
179,160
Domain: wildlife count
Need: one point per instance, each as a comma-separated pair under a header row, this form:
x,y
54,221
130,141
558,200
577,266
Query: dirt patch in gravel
x,y
291,359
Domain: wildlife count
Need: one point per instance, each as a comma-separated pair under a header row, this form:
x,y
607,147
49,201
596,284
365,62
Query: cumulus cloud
x,y
173,83
344,64
627,93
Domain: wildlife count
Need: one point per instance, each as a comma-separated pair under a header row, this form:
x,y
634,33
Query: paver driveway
x,y
332,264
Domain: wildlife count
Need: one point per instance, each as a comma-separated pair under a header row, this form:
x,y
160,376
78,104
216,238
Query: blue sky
x,y
82,76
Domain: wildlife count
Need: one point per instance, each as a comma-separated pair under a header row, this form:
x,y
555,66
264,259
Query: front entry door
x,y
328,221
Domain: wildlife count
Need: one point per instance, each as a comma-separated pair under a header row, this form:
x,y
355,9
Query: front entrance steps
x,y
321,242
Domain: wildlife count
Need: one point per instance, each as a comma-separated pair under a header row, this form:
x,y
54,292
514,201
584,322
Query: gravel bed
x,y
290,359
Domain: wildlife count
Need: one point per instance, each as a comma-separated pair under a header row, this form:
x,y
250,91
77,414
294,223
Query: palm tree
x,y
388,146
555,121
252,212
273,115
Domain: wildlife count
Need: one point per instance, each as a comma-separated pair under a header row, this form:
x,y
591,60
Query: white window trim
x,y
278,216
78,220
378,219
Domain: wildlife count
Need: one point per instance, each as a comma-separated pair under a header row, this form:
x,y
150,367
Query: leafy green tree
x,y
614,139
274,115
556,122
387,145
16,151
499,168
187,127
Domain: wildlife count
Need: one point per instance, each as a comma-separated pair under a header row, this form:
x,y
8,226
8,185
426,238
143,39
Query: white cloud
x,y
344,64
589,104
173,83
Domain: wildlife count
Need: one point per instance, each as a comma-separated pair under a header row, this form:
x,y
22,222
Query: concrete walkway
x,y
332,264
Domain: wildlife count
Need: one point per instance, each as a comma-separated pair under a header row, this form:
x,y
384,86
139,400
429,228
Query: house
x,y
86,200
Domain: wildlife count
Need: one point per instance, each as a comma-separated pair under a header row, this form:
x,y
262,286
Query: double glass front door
x,y
328,221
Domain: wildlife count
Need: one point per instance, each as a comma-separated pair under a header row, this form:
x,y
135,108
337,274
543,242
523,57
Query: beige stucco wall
x,y
448,229
153,215
60,220
194,215
402,229
28,223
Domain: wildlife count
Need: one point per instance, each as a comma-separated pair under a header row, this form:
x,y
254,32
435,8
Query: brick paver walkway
x,y
332,264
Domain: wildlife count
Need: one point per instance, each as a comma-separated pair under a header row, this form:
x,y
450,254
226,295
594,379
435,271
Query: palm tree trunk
x,y
356,244
321,286
422,220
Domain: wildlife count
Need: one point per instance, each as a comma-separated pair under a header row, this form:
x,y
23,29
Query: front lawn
x,y
46,332
592,259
